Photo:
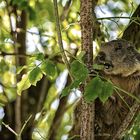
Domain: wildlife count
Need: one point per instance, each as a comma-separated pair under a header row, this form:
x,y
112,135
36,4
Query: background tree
x,y
34,70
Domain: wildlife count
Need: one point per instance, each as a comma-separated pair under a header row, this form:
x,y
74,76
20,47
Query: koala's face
x,y
119,57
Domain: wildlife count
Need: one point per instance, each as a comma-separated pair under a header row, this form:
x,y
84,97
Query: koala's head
x,y
119,57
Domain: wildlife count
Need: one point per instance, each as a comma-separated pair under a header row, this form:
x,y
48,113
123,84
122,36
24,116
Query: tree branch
x,y
60,37
127,121
43,94
87,110
10,129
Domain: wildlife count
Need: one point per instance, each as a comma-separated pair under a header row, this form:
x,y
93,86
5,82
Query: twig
x,y
10,129
43,94
40,134
60,37
129,94
42,34
65,10
16,54
108,18
127,121
122,98
53,131
23,127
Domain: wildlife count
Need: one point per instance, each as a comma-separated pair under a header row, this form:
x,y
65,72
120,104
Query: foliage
x,y
79,73
44,59
98,88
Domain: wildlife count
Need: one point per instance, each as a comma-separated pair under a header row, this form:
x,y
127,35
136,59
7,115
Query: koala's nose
x,y
108,58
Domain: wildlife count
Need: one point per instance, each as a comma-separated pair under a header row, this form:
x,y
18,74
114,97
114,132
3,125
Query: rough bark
x,y
87,110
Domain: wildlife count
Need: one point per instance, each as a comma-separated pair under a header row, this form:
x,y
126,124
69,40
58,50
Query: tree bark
x,y
87,110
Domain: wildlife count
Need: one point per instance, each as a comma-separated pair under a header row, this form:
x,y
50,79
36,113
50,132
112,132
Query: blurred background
x,y
32,71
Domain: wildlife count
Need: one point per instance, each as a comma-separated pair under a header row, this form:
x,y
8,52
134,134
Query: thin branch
x,y
108,18
16,54
10,129
60,37
127,121
43,94
65,10
42,34
40,134
129,94
122,98
24,125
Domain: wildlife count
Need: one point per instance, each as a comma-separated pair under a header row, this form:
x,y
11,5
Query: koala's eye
x,y
101,56
118,47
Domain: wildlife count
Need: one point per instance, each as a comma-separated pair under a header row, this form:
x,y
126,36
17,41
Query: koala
x,y
122,67
121,63
119,58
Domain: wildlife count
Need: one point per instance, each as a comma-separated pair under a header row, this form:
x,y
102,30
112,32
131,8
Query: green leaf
x,y
39,56
49,10
81,55
49,69
32,13
98,67
93,89
20,68
107,91
14,2
23,84
66,91
75,83
35,75
3,99
3,66
79,70
23,5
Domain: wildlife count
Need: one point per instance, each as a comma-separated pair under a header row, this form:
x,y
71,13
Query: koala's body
x,y
122,66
